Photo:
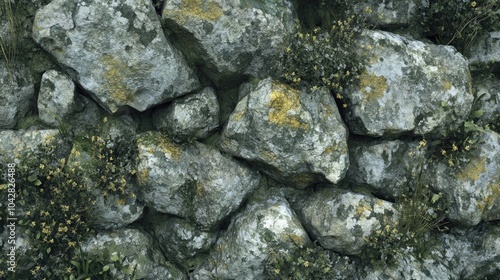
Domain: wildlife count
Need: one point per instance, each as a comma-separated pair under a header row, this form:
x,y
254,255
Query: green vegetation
x,y
420,210
459,22
8,42
303,263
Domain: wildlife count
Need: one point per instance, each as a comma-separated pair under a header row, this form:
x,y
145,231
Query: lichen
x,y
285,107
372,86
446,85
200,9
162,142
473,170
142,177
116,74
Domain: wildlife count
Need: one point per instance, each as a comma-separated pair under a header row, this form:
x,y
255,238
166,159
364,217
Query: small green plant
x,y
8,42
459,22
307,262
420,210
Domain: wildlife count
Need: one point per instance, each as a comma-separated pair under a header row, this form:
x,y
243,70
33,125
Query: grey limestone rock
x,y
57,99
192,181
136,250
13,143
295,136
229,38
389,13
190,117
486,50
241,251
488,101
116,50
407,87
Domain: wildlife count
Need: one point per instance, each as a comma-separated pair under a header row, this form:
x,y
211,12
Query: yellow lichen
x,y
285,107
200,190
268,155
329,150
446,85
142,177
362,209
169,147
238,115
116,74
491,199
372,86
294,237
473,170
200,9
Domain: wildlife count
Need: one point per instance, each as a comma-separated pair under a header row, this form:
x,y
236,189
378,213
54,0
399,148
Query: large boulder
x,y
192,181
473,187
341,220
408,87
295,136
230,39
136,252
241,251
17,94
116,50
190,117
14,143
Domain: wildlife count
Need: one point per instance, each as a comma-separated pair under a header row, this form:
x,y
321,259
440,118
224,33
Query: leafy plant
x,y
459,22
312,262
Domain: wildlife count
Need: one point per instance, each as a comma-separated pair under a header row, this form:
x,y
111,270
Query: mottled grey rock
x,y
383,166
341,220
485,50
241,251
116,50
17,94
472,188
408,86
180,240
297,137
190,117
136,250
191,181
13,143
57,99
488,101
230,38
389,13
24,250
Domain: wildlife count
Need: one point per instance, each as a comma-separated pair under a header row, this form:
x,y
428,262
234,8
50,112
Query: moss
x,y
200,9
473,170
372,86
285,105
116,75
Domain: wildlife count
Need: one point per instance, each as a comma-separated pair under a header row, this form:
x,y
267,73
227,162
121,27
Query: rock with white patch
x,y
115,50
408,87
295,136
389,13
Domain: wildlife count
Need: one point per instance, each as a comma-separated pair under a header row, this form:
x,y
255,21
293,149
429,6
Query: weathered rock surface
x,y
192,181
190,117
229,38
17,93
116,50
488,102
14,142
294,136
473,188
180,240
486,50
389,13
136,250
242,250
57,99
341,220
408,86
383,166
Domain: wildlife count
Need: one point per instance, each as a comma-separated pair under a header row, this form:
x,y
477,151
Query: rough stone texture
x,y
180,240
488,101
408,86
191,181
24,246
383,166
57,98
190,117
341,220
136,250
294,136
486,50
474,188
230,38
17,93
14,142
116,50
389,13
242,250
